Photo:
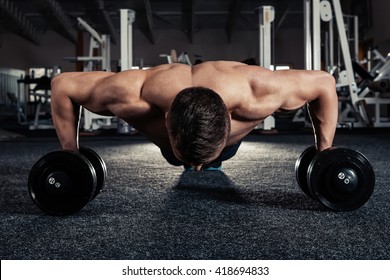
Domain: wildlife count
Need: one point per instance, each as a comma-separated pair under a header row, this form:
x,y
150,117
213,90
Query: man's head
x,y
198,125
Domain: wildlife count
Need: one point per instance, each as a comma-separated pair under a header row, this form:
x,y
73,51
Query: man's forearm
x,y
66,117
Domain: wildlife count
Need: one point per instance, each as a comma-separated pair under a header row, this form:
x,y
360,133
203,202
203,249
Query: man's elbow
x,y
327,85
56,82
330,81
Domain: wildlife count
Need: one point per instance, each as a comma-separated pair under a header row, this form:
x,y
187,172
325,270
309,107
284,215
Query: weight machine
x,y
35,95
372,90
97,42
354,99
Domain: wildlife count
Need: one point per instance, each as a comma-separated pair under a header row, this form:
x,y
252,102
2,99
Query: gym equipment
x,y
63,182
99,165
341,179
127,18
362,104
301,167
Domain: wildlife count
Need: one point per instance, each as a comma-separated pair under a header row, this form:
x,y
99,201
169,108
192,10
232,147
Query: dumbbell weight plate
x,y
301,166
62,182
341,179
99,165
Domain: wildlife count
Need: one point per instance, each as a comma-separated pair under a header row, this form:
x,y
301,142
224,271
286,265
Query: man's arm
x,y
70,91
322,104
289,90
323,112
65,114
318,90
101,92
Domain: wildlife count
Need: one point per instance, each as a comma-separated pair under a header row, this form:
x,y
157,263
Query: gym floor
x,y
253,209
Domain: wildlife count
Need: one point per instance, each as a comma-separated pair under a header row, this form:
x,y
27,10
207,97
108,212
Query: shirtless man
x,y
196,115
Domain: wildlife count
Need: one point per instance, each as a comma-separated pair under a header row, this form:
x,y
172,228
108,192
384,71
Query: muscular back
x,y
142,97
239,85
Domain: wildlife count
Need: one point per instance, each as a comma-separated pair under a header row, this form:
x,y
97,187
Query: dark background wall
x,y
209,44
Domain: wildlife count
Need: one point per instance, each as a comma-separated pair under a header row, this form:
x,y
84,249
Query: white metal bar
x,y
124,39
266,17
307,34
106,53
316,35
127,18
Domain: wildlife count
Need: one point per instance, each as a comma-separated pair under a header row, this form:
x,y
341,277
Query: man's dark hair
x,y
199,123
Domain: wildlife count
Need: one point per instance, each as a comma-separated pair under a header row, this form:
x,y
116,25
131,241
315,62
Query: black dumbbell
x,y
301,167
99,166
342,179
63,182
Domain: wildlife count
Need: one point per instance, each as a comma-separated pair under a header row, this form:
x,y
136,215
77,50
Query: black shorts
x,y
227,153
